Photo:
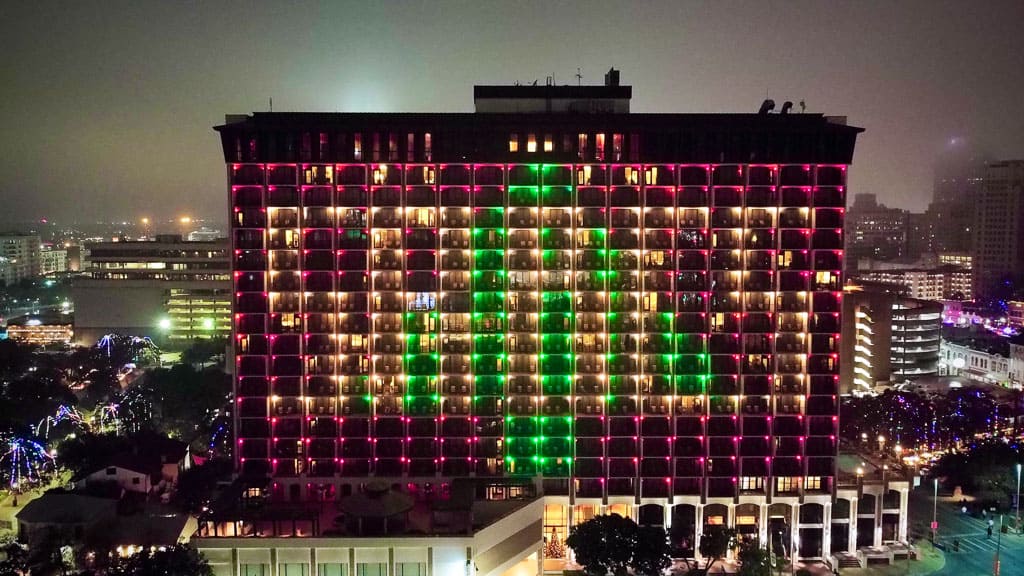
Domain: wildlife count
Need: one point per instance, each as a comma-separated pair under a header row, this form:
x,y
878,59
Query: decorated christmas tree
x,y
554,548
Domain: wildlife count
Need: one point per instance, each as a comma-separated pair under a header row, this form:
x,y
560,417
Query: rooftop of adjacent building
x,y
375,510
46,318
977,339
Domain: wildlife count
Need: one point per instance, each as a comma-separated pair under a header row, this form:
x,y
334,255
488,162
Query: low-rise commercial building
x,y
169,289
42,329
982,356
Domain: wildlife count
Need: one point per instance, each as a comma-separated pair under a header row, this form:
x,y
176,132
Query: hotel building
x,y
628,312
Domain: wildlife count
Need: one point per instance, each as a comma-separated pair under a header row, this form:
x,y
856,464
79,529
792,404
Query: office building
x,y
999,226
958,259
941,283
874,231
53,260
887,338
616,310
168,289
21,253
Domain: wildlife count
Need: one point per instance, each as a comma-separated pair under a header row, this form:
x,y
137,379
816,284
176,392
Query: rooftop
x,y
66,508
458,512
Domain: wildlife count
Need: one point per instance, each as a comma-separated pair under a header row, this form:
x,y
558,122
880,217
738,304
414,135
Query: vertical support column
x,y
826,531
877,541
794,532
902,533
698,529
851,540
762,524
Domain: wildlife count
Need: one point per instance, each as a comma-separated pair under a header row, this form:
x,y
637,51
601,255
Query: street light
x,y
1016,521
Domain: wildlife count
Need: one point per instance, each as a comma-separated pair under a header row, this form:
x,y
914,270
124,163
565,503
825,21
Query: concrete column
x,y
904,496
540,561
273,561
762,524
851,541
667,515
826,531
877,541
698,530
794,531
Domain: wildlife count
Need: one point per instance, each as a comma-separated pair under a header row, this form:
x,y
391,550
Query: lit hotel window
x,y
531,143
513,142
357,146
549,144
599,148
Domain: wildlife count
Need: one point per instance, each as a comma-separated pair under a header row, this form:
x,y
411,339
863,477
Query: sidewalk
x,y
929,560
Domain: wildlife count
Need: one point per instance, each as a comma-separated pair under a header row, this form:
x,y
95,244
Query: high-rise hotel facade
x,y
623,309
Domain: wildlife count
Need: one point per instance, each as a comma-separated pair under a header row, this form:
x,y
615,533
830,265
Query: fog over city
x,y
108,109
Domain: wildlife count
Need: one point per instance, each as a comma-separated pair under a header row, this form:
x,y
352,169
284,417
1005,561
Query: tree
x,y
755,560
15,559
651,554
203,351
178,560
604,544
184,399
196,485
715,543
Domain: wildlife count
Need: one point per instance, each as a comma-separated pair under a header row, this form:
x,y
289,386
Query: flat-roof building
x,y
169,289
624,310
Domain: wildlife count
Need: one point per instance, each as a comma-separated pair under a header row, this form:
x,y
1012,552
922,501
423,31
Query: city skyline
x,y
133,103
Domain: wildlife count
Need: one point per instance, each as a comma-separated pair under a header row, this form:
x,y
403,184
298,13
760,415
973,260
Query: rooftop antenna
x,y
271,103
803,106
579,77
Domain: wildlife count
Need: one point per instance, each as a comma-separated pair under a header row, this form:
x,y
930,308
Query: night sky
x,y
107,107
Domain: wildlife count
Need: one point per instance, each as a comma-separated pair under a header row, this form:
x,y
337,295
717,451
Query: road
x,y
977,550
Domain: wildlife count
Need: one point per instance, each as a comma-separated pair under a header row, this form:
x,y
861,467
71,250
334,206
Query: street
x,y
977,550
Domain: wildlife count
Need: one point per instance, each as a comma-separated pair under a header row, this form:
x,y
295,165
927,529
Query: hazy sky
x,y
106,107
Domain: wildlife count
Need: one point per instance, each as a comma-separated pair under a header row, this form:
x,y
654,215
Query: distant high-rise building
x,y
958,179
998,251
874,231
22,254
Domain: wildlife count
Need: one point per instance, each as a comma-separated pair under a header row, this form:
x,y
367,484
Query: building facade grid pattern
x,y
615,329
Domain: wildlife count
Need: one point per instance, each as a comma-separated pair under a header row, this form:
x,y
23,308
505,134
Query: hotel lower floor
x,y
518,543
